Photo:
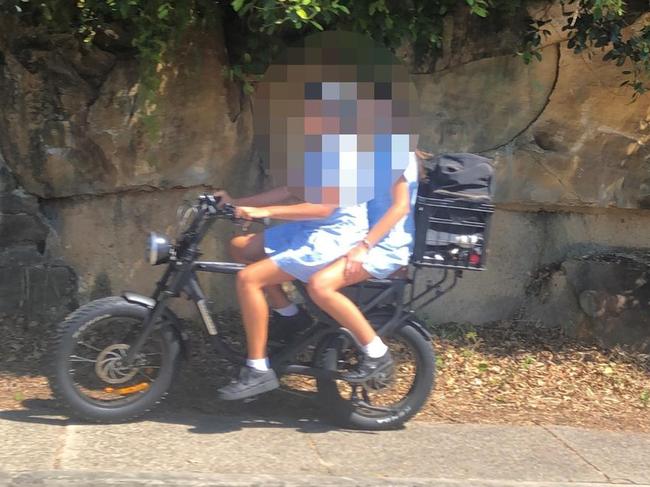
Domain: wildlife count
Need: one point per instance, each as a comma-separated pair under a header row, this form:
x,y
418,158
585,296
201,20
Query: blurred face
x,y
336,142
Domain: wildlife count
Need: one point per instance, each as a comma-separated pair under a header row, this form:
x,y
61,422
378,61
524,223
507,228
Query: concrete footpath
x,y
195,450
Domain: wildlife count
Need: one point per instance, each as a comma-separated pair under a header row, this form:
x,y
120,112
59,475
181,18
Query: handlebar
x,y
210,203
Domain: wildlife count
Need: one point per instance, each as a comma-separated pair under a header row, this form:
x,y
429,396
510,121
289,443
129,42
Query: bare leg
x,y
255,312
324,288
250,248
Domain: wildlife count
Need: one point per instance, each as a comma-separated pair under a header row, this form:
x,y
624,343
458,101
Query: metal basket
x,y
451,233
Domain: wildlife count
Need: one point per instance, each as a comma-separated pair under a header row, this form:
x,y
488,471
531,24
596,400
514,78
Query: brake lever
x,y
209,203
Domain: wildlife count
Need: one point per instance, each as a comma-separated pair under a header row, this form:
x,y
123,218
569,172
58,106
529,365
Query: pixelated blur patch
x,y
336,118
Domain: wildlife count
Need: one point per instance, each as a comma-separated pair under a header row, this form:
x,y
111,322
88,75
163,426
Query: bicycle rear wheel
x,y
380,403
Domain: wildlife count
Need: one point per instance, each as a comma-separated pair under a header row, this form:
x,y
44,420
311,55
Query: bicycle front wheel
x,y
88,375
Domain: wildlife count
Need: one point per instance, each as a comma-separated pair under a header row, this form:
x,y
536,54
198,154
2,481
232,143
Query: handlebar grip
x,y
230,211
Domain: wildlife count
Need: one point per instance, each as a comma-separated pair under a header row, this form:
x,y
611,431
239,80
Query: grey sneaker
x,y
370,368
250,382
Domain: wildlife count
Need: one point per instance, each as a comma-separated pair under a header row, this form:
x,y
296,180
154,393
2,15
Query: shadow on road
x,y
262,415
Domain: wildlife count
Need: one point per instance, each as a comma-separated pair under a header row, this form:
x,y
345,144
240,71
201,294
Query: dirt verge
x,y
506,372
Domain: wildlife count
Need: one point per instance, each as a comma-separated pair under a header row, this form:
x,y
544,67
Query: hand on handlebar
x,y
218,204
223,198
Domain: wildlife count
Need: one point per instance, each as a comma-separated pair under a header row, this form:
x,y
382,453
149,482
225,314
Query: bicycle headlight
x,y
158,249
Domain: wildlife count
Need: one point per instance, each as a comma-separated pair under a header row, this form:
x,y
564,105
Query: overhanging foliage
x,y
258,28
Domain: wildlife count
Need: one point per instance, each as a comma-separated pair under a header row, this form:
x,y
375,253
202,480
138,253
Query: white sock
x,y
258,363
290,310
376,348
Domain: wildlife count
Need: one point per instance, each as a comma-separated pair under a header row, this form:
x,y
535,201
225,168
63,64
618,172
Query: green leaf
x,y
237,5
302,13
480,11
163,11
248,88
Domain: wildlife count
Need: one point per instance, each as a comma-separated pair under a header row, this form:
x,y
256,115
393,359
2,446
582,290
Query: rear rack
x,y
400,295
451,233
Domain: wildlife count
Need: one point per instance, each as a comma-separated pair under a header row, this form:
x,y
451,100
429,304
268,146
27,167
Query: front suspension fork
x,y
161,296
147,329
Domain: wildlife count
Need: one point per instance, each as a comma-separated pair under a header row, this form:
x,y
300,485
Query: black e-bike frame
x,y
180,277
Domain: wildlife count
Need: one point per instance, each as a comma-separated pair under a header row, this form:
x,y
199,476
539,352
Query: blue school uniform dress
x,y
394,250
302,248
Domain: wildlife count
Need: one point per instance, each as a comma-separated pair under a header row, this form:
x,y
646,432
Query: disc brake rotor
x,y
109,368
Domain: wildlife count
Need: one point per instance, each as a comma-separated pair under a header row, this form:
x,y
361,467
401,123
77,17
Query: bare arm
x,y
267,198
399,209
299,211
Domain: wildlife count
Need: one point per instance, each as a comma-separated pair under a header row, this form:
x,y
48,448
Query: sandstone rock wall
x,y
563,131
71,122
33,281
572,178
89,171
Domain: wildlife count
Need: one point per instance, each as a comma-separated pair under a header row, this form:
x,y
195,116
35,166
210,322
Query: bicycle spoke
x,y
89,346
366,397
77,358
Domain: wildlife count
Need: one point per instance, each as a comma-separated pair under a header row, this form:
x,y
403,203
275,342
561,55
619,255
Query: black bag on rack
x,y
458,176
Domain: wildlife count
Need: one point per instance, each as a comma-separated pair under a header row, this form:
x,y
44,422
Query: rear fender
x,y
377,319
421,329
169,317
